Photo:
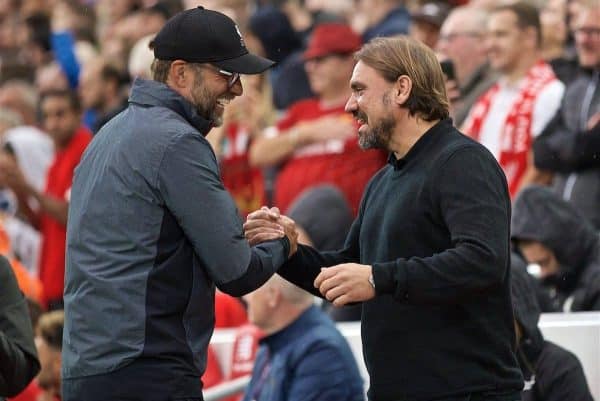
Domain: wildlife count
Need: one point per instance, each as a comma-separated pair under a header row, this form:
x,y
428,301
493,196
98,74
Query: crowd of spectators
x,y
523,78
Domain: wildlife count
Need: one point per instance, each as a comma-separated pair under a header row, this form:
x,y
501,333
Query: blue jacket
x,y
151,231
309,360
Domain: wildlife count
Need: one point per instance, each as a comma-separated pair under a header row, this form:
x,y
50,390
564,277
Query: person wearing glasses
x,y
151,229
569,146
461,45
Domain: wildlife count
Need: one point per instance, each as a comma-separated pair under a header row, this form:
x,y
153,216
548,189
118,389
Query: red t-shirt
x,y
339,162
58,185
244,183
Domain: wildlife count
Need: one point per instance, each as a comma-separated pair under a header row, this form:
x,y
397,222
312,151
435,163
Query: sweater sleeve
x,y
303,268
18,358
470,192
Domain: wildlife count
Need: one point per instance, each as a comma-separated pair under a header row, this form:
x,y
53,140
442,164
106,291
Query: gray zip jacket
x,y
151,231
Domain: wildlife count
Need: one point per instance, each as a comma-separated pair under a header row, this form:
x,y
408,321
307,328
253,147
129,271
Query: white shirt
x,y
546,105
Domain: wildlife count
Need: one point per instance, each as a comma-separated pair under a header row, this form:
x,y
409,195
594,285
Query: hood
x,y
541,215
152,93
527,313
324,214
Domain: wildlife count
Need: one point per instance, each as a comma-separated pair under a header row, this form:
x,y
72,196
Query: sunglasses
x,y
232,77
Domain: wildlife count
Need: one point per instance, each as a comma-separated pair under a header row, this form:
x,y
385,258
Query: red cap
x,y
332,38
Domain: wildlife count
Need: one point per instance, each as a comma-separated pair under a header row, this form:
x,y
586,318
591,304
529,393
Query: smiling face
x,y
371,106
210,93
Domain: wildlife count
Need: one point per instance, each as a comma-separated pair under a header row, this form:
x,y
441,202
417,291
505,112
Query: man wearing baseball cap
x,y
152,231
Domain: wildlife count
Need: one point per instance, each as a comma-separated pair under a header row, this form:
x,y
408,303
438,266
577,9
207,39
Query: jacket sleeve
x,y
561,150
18,358
470,194
192,190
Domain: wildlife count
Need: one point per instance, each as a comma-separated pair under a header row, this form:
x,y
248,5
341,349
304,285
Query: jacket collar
x,y
152,93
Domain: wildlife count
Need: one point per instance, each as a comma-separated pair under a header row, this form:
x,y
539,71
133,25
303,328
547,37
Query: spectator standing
x,y
509,115
62,115
462,43
570,145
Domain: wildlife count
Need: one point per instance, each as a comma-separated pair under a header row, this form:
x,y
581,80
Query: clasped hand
x,y
342,284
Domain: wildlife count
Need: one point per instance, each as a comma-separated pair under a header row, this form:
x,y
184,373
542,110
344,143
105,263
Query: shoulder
x,y
6,272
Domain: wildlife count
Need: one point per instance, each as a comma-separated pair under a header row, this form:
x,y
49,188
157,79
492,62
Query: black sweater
x,y
435,227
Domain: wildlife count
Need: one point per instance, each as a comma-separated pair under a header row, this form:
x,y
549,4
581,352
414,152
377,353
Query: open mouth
x,y
223,102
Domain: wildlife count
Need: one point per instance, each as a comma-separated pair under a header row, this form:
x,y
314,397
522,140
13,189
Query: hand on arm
x,y
346,283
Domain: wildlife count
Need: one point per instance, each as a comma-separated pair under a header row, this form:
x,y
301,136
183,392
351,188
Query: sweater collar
x,y
419,147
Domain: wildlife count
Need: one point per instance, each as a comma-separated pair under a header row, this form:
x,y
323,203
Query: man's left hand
x,y
345,283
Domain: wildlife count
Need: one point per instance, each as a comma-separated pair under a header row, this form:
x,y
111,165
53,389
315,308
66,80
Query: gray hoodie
x,y
541,215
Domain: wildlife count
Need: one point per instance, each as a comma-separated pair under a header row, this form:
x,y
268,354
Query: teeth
x,y
223,102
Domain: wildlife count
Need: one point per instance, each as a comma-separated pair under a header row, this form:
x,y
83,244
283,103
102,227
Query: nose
x,y
237,89
351,104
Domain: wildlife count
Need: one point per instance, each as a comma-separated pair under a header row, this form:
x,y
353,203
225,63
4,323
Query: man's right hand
x,y
268,224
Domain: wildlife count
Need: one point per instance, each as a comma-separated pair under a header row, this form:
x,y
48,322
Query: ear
x,y
179,74
402,89
532,37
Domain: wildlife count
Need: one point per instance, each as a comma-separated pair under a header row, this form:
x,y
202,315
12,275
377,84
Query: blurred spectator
x,y
508,116
383,18
552,234
316,141
62,114
48,341
323,218
279,42
570,145
303,355
101,91
553,17
462,43
18,357
229,311
244,119
426,22
551,372
140,58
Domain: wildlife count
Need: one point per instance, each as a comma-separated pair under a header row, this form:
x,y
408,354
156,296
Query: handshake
x,y
269,224
341,284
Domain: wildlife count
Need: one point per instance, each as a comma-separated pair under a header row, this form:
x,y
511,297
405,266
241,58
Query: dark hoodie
x,y
551,372
541,215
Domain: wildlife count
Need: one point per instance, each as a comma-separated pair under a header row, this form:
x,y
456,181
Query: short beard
x,y
379,134
205,103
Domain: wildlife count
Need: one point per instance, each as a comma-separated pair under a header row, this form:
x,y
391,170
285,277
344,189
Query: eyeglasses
x,y
232,77
593,32
451,36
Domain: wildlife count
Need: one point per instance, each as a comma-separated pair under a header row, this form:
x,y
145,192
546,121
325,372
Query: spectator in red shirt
x,y
61,115
316,142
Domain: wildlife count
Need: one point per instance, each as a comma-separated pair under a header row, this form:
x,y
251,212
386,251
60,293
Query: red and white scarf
x,y
516,136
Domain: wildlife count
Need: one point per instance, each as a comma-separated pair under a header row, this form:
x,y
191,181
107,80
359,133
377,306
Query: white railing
x,y
577,332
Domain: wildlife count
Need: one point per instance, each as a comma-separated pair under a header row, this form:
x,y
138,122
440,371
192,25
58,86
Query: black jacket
x,y
541,215
435,227
18,356
551,372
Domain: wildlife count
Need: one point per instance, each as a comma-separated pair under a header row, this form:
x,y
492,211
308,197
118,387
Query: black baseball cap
x,y
199,35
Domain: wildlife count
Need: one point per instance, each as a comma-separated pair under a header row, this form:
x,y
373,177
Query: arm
x,y
63,48
270,150
18,358
562,150
189,183
472,198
